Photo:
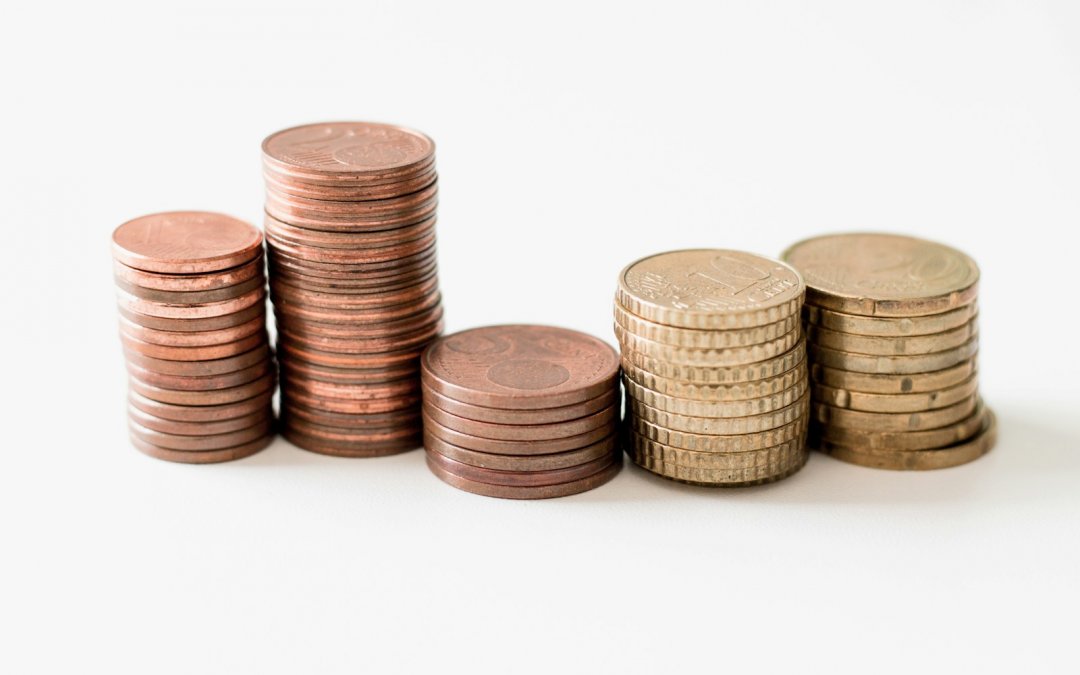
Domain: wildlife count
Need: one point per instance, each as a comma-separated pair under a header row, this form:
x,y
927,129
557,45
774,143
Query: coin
x,y
895,403
202,428
720,425
140,351
185,242
889,326
541,447
202,442
517,492
893,346
724,477
203,456
310,371
524,432
893,365
526,417
258,355
529,478
350,405
698,408
332,152
704,339
876,383
713,443
201,413
706,375
204,311
770,459
189,339
205,397
197,383
879,422
190,282
195,325
409,440
607,447
905,440
184,298
689,356
715,392
291,409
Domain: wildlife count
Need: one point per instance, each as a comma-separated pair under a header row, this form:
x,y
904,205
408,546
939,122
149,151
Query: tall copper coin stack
x,y
192,299
350,228
893,338
714,366
521,412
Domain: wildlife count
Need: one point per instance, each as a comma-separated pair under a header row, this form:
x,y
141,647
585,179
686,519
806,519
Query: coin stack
x,y
893,335
192,297
350,228
714,365
521,412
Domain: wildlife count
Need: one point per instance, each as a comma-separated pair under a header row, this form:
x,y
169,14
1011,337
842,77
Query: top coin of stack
x,y
893,336
350,228
521,412
714,366
192,298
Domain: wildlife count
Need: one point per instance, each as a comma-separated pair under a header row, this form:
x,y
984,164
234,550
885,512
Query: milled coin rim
x,y
696,408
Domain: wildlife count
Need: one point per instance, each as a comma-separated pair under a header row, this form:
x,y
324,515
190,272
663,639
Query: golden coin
x,y
707,443
704,339
640,448
889,326
884,274
710,289
892,346
872,383
724,477
893,365
731,356
905,440
895,403
720,425
717,375
714,392
682,406
873,421
921,460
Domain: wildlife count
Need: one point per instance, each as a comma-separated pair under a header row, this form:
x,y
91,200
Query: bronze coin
x,y
196,383
280,183
342,150
368,223
354,256
221,366
202,413
351,448
208,397
542,492
520,367
208,310
409,417
184,298
186,242
138,348
345,405
291,350
346,240
607,417
190,282
180,428
385,329
299,370
544,447
527,417
192,325
418,339
201,443
189,339
203,456
520,478
607,447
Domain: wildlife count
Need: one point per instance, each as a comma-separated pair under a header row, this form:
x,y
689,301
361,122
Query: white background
x,y
571,139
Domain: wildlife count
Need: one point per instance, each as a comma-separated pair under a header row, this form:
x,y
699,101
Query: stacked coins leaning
x,y
714,365
350,229
521,412
192,299
892,329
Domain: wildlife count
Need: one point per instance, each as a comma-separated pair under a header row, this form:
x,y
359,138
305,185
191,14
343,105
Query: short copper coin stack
x,y
192,297
521,412
892,327
714,366
350,228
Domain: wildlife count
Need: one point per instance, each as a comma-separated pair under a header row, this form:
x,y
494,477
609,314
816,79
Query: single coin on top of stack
x,y
892,326
192,300
521,412
350,229
714,366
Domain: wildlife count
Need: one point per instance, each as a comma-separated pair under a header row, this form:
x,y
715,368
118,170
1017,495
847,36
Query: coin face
x,y
710,289
186,242
884,274
348,147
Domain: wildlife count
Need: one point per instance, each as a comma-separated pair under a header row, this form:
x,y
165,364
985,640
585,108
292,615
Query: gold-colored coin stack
x,y
892,329
714,364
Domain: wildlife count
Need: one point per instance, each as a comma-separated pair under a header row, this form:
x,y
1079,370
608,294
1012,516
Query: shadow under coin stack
x,y
350,229
521,412
714,365
892,334
192,299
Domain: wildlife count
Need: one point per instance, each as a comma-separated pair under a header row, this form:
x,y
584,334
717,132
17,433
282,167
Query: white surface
x,y
571,141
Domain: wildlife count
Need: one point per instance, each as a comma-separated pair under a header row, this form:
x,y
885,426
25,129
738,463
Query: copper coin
x,y
521,432
351,448
190,282
301,370
354,256
608,448
383,273
354,302
373,285
368,223
279,183
186,242
409,417
384,329
545,447
205,311
520,478
344,405
527,417
287,208
543,492
209,397
291,350
418,339
364,392
184,298
194,383
358,435
520,367
221,366
338,150
190,339
346,240
168,426
201,443
345,181
318,267
204,456
347,316
192,325
201,413
139,348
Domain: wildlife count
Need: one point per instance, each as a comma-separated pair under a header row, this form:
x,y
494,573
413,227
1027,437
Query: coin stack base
x,y
892,326
521,412
192,300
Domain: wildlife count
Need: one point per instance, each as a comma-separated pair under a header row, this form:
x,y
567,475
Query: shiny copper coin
x,y
521,432
532,447
139,349
193,325
201,413
205,311
168,426
343,183
357,435
605,449
359,448
186,242
201,443
346,240
204,456
407,417
351,266
279,183
347,316
341,150
189,383
519,478
375,274
384,329
301,370
358,361
349,405
209,397
355,256
525,417
184,298
260,353
354,345
372,222
374,285
358,302
286,207
190,339
542,492
190,282
365,392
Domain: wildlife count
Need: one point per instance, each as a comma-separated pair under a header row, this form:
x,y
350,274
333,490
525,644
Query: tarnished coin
x,y
607,447
720,425
884,274
893,365
202,456
564,413
517,492
205,311
531,447
644,449
509,478
876,383
895,403
715,392
201,413
182,428
257,310
730,356
711,375
905,440
184,298
892,346
710,289
889,326
524,432
696,408
190,282
186,242
140,352
208,397
704,339
881,422
712,443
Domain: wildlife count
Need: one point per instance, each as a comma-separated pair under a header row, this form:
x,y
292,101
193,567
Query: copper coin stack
x,y
714,365
892,329
521,412
350,229
192,297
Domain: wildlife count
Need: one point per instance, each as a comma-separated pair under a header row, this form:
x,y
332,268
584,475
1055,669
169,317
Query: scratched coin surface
x,y
186,242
